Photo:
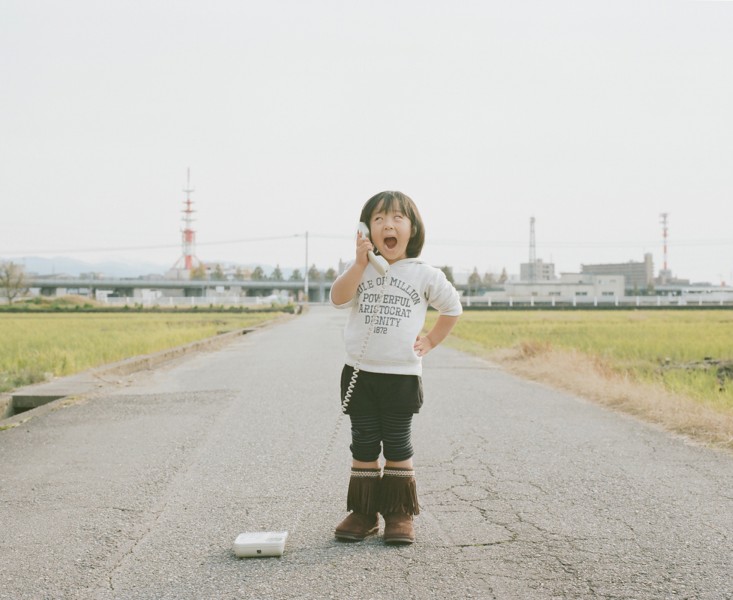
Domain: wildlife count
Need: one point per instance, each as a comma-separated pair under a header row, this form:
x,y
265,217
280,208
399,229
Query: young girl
x,y
390,310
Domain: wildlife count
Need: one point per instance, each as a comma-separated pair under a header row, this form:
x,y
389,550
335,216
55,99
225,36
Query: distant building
x,y
666,278
537,271
569,285
91,275
178,274
638,275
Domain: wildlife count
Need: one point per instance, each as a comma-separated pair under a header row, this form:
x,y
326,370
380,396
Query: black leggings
x,y
370,432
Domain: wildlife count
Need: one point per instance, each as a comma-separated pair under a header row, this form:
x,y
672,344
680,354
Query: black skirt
x,y
381,393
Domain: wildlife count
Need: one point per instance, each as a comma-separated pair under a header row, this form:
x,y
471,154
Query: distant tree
x,y
331,274
239,274
314,274
13,282
448,273
488,279
503,278
198,273
474,282
258,274
277,274
218,274
296,275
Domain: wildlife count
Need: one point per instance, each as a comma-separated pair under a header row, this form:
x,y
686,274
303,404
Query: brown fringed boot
x,y
398,504
363,500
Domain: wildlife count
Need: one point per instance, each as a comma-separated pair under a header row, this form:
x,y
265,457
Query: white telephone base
x,y
254,544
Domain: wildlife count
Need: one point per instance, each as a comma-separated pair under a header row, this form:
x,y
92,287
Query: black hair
x,y
388,202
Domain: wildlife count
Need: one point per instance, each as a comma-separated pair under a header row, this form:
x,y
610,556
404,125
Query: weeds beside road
x,y
648,363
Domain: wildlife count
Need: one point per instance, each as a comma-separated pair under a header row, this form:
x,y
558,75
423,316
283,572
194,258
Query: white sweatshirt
x,y
397,317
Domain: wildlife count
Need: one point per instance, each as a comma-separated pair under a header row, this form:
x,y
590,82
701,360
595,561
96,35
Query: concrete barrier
x,y
6,406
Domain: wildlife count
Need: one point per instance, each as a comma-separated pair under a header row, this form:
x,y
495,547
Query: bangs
x,y
394,203
388,202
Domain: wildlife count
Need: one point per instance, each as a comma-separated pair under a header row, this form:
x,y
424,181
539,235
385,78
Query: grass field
x,y
35,347
633,343
650,363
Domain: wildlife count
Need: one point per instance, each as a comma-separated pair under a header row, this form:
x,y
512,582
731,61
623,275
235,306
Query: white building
x,y
537,271
568,286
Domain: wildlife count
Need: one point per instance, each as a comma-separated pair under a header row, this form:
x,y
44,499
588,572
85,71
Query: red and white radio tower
x,y
188,260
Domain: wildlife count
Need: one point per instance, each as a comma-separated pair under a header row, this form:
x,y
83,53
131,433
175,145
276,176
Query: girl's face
x,y
390,233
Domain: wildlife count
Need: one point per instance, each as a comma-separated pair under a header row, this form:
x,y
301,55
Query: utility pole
x,y
663,220
664,275
532,252
306,267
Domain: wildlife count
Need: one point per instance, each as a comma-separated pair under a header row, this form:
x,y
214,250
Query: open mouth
x,y
390,242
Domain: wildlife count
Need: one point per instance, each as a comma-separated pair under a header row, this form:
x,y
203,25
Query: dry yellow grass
x,y
582,375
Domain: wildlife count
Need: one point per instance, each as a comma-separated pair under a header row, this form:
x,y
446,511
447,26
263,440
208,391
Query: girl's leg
x,y
399,464
396,430
363,494
399,492
366,441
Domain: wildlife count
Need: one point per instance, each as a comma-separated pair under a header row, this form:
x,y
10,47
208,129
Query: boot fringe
x,y
363,495
399,493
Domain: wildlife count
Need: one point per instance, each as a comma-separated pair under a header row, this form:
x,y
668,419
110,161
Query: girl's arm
x,y
344,288
437,334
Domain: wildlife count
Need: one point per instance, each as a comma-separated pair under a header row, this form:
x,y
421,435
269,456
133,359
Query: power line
x,y
150,247
578,244
433,242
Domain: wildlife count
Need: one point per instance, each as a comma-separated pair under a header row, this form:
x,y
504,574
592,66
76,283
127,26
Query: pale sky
x,y
593,117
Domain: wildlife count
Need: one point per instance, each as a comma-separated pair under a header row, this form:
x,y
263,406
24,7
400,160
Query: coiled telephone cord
x,y
362,353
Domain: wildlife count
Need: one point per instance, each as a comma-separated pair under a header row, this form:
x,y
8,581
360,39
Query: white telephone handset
x,y
378,262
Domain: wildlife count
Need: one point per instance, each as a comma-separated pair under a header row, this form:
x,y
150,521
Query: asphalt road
x,y
139,490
